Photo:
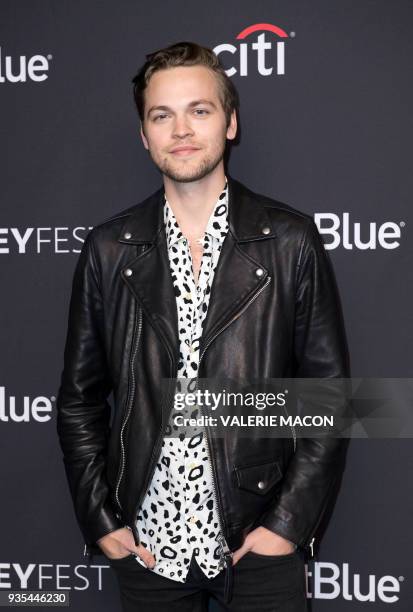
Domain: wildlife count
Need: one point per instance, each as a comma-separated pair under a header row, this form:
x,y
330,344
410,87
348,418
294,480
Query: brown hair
x,y
185,54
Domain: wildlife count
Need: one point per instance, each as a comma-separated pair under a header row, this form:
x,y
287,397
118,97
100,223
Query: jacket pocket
x,y
259,479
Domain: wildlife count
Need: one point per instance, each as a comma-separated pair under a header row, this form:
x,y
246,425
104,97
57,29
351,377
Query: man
x,y
202,279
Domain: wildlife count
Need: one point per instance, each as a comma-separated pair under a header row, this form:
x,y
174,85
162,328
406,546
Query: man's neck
x,y
192,203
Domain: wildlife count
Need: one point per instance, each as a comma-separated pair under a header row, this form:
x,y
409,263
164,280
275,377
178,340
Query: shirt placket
x,y
191,461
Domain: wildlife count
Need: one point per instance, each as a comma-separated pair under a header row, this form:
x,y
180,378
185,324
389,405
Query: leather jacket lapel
x,y
151,283
238,278
234,286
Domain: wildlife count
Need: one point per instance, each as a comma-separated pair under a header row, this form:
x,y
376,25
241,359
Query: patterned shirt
x,y
178,516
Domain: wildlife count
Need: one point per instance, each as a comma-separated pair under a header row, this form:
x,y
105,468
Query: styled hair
x,y
185,54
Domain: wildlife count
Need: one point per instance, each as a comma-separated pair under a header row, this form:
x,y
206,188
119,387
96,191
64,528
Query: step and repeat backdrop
x,y
325,126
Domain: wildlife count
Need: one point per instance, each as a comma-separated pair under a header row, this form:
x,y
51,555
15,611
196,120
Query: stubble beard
x,y
183,174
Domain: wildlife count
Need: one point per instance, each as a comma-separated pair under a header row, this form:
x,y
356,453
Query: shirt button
x,y
188,296
193,519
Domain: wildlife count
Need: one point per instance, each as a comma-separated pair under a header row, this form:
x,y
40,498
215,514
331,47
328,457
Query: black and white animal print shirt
x,y
178,516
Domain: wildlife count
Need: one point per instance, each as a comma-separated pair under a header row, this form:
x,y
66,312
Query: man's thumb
x,y
146,556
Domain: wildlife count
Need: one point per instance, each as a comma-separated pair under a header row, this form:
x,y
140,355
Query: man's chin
x,y
185,178
188,175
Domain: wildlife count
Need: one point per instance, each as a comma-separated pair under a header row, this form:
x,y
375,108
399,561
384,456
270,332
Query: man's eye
x,y
160,116
201,111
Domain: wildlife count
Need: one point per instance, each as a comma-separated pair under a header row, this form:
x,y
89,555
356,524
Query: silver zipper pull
x,y
311,546
224,546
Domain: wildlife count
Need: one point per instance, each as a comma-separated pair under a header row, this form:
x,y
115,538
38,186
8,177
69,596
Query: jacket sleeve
x,y
320,351
83,412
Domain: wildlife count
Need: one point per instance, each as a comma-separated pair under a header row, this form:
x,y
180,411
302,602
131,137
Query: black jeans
x,y
261,583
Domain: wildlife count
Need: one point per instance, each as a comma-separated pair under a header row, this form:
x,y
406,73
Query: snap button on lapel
x,y
127,235
259,271
266,230
261,484
128,272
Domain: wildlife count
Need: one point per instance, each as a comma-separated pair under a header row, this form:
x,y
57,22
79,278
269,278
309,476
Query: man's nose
x,y
182,127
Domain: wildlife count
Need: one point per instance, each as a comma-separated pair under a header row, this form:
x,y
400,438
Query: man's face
x,y
184,122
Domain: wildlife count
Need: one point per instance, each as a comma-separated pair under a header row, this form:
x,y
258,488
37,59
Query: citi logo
x,y
25,410
331,581
260,51
22,69
343,231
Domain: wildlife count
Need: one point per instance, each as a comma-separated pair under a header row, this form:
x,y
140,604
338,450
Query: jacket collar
x,y
247,217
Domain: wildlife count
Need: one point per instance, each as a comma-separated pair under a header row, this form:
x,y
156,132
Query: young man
x,y
202,279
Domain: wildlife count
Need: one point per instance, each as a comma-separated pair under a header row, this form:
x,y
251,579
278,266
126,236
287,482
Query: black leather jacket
x,y
274,312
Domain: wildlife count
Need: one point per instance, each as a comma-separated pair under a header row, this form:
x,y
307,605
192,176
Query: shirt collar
x,y
217,225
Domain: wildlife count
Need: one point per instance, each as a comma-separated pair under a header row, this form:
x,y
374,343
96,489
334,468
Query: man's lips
x,y
184,150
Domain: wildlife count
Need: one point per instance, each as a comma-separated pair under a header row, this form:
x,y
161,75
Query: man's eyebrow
x,y
190,105
202,101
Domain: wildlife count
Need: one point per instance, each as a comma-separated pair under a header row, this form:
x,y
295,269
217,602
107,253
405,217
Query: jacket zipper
x,y
131,394
226,554
137,328
138,325
310,546
123,447
149,474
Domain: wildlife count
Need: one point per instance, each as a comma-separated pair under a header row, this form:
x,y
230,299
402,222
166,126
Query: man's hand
x,y
120,543
264,542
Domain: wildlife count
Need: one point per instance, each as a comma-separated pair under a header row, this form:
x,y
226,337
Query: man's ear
x,y
145,142
232,128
